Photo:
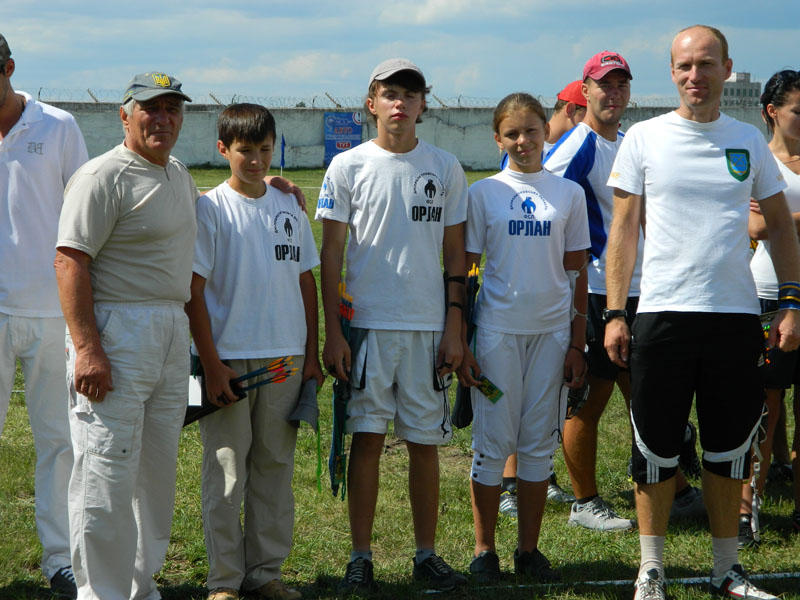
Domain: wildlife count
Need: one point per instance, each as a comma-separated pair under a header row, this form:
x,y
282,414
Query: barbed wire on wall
x,y
322,100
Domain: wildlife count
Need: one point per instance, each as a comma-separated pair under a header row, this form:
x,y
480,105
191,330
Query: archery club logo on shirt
x,y
525,202
326,194
738,163
286,223
428,186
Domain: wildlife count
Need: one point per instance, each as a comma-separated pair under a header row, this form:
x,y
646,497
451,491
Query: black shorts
x,y
599,363
711,356
781,369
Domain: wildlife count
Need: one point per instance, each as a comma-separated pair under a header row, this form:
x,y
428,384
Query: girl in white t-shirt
x,y
533,227
781,112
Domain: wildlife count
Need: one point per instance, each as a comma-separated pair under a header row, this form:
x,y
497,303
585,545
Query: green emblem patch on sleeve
x,y
738,163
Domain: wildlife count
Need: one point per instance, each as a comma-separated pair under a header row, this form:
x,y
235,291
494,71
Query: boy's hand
x,y
336,356
287,187
313,370
218,383
469,371
450,353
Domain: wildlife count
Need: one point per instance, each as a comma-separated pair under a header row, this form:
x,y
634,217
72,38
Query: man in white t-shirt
x,y
40,148
403,202
697,330
123,265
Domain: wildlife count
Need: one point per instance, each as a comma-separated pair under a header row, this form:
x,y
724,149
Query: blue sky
x,y
296,49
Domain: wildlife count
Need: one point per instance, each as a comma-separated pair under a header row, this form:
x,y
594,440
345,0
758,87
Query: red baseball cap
x,y
603,62
572,93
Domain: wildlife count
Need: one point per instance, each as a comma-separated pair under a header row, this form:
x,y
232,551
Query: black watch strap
x,y
609,314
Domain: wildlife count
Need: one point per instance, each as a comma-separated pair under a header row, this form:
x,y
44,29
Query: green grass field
x,y
321,545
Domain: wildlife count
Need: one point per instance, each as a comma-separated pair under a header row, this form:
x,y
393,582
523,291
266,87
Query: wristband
x,y
789,296
575,348
458,305
457,279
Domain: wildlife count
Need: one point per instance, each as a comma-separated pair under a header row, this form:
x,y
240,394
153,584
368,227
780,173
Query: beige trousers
x,y
248,457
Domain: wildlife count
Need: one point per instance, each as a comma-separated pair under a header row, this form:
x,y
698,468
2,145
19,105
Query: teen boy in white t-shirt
x,y
403,202
254,299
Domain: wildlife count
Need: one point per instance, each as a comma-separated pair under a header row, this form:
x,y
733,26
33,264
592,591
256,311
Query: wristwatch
x,y
609,314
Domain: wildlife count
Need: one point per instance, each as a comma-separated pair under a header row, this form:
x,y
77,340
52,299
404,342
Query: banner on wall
x,y
342,132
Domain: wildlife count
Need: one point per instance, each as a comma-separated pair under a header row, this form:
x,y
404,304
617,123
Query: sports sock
x,y
652,549
726,554
509,485
356,554
423,554
587,499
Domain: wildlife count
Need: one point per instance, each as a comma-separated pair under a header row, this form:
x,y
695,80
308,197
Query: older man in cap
x,y
123,264
40,148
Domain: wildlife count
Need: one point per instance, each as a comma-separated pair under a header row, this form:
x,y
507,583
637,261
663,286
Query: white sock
x,y
726,554
652,547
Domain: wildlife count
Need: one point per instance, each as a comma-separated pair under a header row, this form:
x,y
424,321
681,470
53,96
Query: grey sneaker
x,y
62,584
555,493
596,514
650,586
734,584
508,504
688,506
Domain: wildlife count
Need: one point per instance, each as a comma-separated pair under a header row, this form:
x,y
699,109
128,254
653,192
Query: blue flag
x,y
283,148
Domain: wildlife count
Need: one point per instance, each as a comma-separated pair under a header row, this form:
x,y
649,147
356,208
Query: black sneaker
x,y
485,568
534,565
688,461
358,578
779,473
746,537
437,574
796,520
62,584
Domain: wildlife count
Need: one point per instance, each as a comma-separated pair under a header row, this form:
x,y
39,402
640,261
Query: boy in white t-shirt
x,y
403,202
254,299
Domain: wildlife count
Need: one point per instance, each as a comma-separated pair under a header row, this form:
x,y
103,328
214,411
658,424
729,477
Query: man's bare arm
x,y
621,251
92,375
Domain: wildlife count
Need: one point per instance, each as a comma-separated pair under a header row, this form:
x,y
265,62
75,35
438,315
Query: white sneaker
x,y
555,493
508,504
688,506
734,584
596,514
650,586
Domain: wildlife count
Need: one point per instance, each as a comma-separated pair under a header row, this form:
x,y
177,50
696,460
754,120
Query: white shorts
x,y
396,369
529,370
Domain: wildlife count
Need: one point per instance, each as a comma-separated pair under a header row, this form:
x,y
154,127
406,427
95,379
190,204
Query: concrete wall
x,y
466,132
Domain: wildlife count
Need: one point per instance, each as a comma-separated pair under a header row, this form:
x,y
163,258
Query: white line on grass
x,y
620,582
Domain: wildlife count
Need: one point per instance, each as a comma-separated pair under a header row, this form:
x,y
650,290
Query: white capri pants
x,y
529,370
122,490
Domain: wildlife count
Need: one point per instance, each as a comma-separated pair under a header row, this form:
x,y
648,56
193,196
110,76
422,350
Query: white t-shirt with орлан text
x,y
525,222
397,206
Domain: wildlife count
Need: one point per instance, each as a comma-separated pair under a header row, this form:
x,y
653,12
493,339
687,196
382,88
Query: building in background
x,y
740,91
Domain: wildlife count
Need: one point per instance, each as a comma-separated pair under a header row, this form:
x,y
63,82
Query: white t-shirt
x,y
136,220
586,158
251,251
37,158
698,179
761,265
397,206
525,222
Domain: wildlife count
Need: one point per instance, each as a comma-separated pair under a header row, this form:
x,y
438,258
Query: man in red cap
x,y
569,110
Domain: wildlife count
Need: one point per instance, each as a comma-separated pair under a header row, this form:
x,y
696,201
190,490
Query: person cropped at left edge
x,y
40,148
253,243
124,264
